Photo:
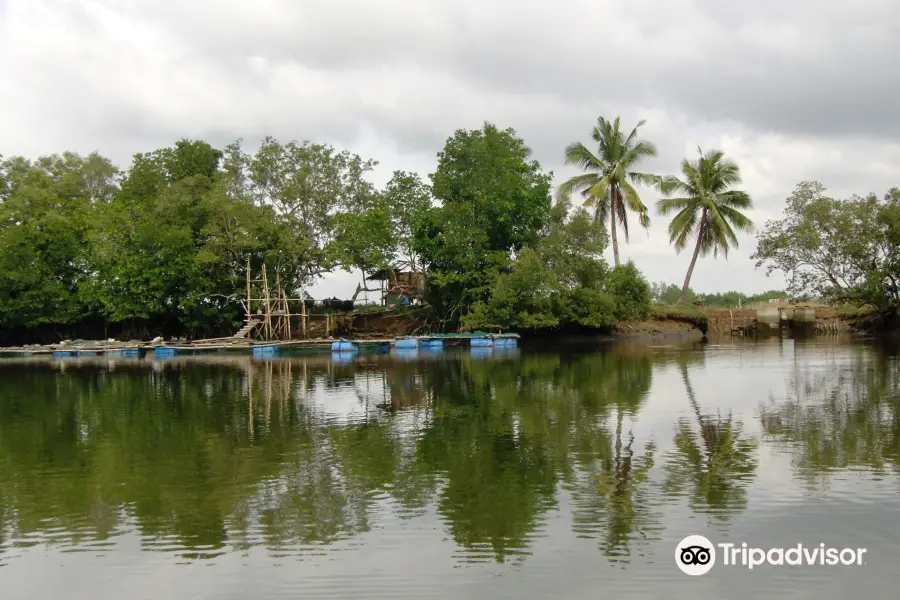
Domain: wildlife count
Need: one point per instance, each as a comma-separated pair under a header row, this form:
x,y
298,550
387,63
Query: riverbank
x,y
664,322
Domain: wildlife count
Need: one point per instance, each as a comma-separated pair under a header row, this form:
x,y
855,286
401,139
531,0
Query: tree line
x,y
162,245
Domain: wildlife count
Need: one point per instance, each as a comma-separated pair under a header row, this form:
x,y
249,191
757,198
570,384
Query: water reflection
x,y
840,412
204,456
712,457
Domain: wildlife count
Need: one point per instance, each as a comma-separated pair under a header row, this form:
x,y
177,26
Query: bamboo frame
x,y
274,310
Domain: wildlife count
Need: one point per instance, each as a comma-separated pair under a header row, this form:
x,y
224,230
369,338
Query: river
x,y
455,474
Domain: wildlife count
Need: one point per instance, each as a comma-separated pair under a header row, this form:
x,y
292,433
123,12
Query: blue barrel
x,y
344,346
265,350
431,344
162,352
481,342
407,342
62,353
88,352
125,353
506,342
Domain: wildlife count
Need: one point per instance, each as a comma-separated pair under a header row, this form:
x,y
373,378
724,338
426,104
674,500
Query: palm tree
x,y
607,184
707,206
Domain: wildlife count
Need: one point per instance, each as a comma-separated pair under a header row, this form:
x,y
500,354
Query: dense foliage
x,y
563,281
840,250
162,246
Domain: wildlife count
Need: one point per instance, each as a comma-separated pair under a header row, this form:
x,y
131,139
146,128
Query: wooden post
x,y
268,312
303,314
287,314
249,313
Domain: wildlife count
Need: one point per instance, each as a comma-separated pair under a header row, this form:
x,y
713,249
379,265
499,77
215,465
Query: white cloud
x,y
796,91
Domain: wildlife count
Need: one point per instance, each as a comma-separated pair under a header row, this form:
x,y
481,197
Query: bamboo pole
x,y
248,291
303,317
287,315
268,315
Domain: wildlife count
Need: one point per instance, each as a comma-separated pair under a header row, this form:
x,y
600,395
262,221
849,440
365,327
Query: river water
x,y
462,474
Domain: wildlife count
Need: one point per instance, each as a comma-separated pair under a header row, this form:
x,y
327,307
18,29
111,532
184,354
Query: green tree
x,y
558,282
45,212
607,186
707,206
408,199
365,240
494,201
839,250
630,291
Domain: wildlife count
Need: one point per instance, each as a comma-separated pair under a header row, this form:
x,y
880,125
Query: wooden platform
x,y
230,343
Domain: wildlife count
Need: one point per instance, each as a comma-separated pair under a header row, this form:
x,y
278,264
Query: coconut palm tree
x,y
607,185
708,207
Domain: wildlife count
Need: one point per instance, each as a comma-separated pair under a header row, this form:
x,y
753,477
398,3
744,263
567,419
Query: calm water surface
x,y
454,475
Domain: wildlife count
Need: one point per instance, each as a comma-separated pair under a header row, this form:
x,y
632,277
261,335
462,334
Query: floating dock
x,y
272,348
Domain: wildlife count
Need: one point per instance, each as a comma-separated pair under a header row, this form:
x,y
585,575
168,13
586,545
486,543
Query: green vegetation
x,y
162,246
668,294
843,251
608,184
707,208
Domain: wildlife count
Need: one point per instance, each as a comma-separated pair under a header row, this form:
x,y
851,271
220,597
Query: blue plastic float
x,y
407,342
344,346
265,350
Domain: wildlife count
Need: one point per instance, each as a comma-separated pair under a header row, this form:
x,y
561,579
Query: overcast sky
x,y
805,89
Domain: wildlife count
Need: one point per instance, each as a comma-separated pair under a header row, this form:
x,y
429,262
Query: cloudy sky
x,y
797,90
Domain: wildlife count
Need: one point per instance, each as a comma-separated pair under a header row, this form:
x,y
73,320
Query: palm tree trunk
x,y
613,204
687,278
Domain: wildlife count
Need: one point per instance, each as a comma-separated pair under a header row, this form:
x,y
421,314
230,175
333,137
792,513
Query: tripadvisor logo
x,y
696,555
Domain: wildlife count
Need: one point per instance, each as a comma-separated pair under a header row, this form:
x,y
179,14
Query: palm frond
x,y
578,182
735,199
669,205
670,185
631,197
645,179
617,205
634,132
642,149
681,228
719,235
578,154
736,218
